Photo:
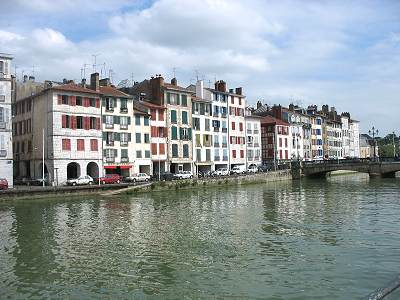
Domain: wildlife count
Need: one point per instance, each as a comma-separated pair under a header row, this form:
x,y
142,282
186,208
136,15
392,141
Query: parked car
x,y
39,181
166,176
138,177
239,169
183,175
252,169
264,168
3,184
221,172
82,180
110,178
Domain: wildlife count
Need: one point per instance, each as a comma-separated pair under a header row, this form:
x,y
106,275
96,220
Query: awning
x,y
110,167
125,167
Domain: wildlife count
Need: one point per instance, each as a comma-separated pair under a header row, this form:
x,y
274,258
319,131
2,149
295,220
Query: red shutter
x,y
97,124
154,149
85,102
97,102
165,132
59,99
241,126
162,149
72,100
64,121
73,121
161,115
69,144
93,145
241,153
153,131
234,153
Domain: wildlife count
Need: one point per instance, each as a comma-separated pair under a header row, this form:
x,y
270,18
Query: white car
x,y
221,172
138,177
239,169
252,169
183,175
82,180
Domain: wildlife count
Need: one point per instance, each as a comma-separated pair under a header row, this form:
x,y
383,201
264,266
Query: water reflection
x,y
288,240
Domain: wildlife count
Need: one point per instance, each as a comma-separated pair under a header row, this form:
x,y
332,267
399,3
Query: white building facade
x,y
354,132
253,140
6,151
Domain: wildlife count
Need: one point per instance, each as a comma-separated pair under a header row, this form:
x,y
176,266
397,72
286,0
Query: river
x,y
311,239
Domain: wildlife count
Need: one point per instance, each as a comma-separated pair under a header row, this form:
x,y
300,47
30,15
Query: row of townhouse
x,y
66,129
306,134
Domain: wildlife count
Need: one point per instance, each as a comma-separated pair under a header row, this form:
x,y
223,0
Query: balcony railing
x,y
109,143
123,126
256,145
216,129
123,110
249,131
216,144
109,126
3,125
217,158
123,143
255,131
223,115
225,158
111,109
124,159
3,153
110,159
224,129
224,145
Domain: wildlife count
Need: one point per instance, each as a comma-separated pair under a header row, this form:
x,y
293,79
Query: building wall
x,y
6,152
236,130
253,141
345,136
354,131
158,129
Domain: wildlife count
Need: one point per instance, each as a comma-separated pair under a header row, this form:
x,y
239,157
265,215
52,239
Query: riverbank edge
x,y
189,184
121,190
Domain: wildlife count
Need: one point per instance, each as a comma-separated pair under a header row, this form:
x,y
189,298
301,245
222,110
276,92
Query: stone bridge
x,y
373,168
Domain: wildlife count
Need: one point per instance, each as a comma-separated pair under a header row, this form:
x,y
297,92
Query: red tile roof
x,y
151,105
272,120
176,87
74,88
112,91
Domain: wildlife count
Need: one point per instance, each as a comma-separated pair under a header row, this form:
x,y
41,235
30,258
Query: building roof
x,y
71,87
226,93
176,87
198,99
112,91
151,105
272,120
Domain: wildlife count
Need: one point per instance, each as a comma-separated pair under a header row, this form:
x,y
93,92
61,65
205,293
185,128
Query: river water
x,y
312,239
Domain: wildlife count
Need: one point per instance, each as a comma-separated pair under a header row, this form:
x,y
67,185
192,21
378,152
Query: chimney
x,y
155,86
32,78
84,82
25,78
94,82
200,89
238,90
105,82
47,84
259,104
174,81
222,86
231,91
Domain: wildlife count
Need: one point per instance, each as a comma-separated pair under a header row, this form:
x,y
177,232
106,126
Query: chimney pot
x,y
94,82
238,91
174,81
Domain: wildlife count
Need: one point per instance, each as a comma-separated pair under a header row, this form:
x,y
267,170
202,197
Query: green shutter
x,y
104,136
178,100
129,120
190,133
116,119
115,153
129,137
104,119
173,116
116,136
103,101
174,133
184,117
168,98
181,133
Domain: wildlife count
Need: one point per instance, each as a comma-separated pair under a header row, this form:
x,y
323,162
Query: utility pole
x,y
394,146
43,157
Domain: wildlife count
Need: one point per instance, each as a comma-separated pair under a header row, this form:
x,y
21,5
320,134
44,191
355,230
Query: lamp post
x,y
394,146
373,131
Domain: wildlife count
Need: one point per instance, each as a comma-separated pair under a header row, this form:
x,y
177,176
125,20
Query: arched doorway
x,y
73,170
92,170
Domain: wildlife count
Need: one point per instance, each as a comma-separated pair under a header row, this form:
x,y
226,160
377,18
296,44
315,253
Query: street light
x,y
373,131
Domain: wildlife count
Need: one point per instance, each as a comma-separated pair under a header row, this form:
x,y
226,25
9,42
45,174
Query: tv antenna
x,y
95,60
174,71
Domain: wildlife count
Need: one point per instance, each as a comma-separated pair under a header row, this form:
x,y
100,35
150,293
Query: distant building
x,y
317,133
367,147
6,87
253,139
275,140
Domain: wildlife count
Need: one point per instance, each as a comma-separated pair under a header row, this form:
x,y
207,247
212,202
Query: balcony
x,y
216,129
216,145
256,131
110,159
3,125
217,158
110,109
123,143
2,98
3,153
224,115
123,126
123,110
256,145
109,126
109,143
257,158
124,159
215,114
249,131
224,145
224,129
249,158
225,158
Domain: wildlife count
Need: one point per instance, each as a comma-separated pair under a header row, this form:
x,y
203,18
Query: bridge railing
x,y
337,161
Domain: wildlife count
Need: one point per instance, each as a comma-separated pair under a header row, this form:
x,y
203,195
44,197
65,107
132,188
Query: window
x,y
174,133
137,119
184,100
207,124
154,149
66,144
93,123
94,146
139,154
184,117
241,126
138,137
92,102
146,138
161,115
124,122
232,100
109,120
147,153
124,153
124,138
64,99
146,121
173,116
185,150
79,122
233,126
173,98
79,101
124,105
196,123
66,121
241,153
80,145
162,148
174,150
234,153
110,153
109,104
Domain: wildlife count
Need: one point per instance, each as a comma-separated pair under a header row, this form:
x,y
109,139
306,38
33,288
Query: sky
x,y
342,53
